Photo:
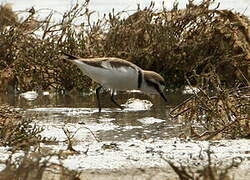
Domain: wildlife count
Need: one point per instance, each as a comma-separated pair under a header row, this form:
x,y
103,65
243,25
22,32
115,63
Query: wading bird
x,y
118,74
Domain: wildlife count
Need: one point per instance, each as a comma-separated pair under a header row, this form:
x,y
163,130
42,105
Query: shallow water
x,y
141,118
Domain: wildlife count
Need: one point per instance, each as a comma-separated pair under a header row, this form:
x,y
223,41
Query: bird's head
x,y
154,83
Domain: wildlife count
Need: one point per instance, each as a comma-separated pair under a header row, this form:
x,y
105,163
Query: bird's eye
x,y
162,83
163,87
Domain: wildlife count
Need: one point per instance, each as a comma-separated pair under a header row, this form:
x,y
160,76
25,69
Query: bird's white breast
x,y
117,78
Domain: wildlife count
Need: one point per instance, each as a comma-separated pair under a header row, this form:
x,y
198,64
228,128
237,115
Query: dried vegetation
x,y
16,131
34,165
27,160
209,171
196,41
224,114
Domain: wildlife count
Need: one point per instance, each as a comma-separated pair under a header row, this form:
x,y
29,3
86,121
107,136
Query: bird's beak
x,y
162,93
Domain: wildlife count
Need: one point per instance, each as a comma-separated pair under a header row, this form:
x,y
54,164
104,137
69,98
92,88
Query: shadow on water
x,y
136,122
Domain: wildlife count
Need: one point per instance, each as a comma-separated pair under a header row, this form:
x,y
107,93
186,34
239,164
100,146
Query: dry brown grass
x,y
210,171
222,113
35,166
193,41
16,131
19,135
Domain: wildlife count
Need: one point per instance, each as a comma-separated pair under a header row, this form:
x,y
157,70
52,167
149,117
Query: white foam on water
x,y
29,95
137,105
131,105
81,131
150,120
134,153
149,153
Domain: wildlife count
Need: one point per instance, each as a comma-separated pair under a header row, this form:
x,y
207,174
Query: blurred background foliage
x,y
210,47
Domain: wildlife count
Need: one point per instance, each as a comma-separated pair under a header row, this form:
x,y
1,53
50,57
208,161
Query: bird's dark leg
x,y
113,100
98,98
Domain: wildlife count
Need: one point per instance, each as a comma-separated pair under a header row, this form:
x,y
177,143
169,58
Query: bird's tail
x,y
67,56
